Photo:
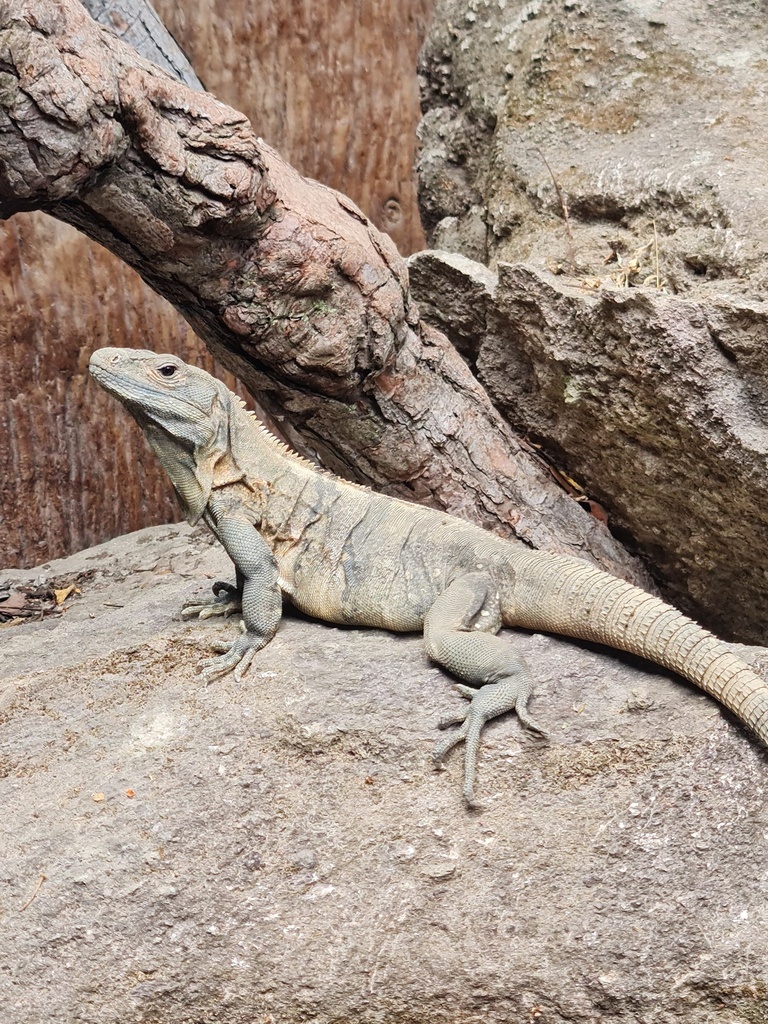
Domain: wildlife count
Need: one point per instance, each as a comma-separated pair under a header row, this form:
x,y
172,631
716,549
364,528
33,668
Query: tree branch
x,y
137,23
289,284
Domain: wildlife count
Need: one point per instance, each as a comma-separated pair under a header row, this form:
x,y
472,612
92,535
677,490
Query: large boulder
x,y
279,850
601,159
636,113
655,403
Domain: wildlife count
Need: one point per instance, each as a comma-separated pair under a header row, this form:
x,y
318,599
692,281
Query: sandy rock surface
x,y
280,850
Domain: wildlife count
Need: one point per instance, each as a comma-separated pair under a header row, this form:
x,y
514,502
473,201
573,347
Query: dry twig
x,y
563,206
38,887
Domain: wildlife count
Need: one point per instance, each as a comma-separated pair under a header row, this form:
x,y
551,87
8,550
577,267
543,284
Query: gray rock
x,y
601,158
643,122
280,849
456,295
655,403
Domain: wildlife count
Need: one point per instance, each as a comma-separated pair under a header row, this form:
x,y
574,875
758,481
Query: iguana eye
x,y
166,371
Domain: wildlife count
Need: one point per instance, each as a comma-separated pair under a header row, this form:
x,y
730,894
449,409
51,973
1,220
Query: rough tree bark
x,y
288,283
138,24
331,85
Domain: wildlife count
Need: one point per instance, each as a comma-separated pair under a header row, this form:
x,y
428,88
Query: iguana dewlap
x,y
345,554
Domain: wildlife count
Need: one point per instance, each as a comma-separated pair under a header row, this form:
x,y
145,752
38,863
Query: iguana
x,y
345,554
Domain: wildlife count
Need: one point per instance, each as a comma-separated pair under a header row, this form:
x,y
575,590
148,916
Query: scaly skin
x,y
344,554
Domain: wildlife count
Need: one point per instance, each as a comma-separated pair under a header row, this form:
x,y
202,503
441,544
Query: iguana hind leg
x,y
459,634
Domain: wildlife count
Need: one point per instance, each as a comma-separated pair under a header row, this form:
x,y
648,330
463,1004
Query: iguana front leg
x,y
227,600
459,635
261,601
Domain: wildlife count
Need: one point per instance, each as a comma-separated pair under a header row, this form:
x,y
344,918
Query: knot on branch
x,y
52,106
74,100
193,136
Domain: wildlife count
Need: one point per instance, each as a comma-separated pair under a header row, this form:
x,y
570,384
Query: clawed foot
x,y
235,657
510,694
226,602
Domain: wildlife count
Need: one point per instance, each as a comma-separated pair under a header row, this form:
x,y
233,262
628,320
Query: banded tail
x,y
557,594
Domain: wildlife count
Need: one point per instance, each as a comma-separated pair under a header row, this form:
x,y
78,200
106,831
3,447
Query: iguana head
x,y
184,411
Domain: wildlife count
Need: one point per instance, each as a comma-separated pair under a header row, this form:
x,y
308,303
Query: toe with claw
x,y
487,702
226,602
235,656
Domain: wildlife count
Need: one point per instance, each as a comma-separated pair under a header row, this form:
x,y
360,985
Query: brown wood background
x,y
333,87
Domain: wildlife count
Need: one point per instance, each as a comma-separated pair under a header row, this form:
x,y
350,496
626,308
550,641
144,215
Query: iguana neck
x,y
255,458
181,466
238,450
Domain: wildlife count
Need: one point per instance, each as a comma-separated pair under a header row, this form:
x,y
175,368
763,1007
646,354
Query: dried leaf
x,y
62,595
597,510
568,484
590,283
